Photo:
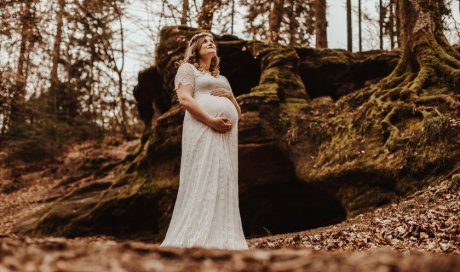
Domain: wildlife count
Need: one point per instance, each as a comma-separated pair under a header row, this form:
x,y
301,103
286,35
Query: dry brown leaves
x,y
427,221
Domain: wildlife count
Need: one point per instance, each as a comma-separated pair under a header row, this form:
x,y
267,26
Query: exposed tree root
x,y
397,112
430,63
442,41
437,99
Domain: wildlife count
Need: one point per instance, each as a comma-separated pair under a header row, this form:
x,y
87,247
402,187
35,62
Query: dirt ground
x,y
100,254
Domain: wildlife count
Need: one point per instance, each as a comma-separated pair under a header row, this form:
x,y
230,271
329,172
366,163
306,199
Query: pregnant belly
x,y
218,106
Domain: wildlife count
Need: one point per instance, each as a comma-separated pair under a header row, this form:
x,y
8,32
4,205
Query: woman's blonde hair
x,y
192,54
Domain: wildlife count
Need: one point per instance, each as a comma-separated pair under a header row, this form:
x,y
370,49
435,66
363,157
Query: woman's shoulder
x,y
223,77
186,65
186,68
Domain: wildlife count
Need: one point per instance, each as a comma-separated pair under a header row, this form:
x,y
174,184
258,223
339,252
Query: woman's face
x,y
208,47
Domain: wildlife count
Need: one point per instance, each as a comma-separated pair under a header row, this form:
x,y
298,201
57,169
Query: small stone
x,y
261,255
401,229
444,246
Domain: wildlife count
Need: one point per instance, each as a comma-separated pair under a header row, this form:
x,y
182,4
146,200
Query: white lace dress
x,y
206,212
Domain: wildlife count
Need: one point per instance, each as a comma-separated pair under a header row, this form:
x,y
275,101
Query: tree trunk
x,y
293,26
91,105
391,26
19,95
426,52
5,107
381,15
321,24
185,12
360,33
233,15
398,25
275,20
349,27
119,71
57,55
73,92
205,16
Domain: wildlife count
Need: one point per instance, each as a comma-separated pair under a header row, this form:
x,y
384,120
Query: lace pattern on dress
x,y
185,75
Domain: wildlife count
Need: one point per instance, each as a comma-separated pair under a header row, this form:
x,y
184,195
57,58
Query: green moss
x,y
434,128
337,59
294,106
258,98
365,198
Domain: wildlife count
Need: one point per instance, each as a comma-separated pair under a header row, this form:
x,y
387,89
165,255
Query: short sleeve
x,y
185,75
228,83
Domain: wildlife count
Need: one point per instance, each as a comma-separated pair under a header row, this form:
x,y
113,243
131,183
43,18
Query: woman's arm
x,y
186,100
235,103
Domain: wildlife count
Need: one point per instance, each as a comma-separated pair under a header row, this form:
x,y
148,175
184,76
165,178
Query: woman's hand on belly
x,y
222,92
221,124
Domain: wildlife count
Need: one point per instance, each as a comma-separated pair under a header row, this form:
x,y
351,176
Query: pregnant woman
x,y
206,212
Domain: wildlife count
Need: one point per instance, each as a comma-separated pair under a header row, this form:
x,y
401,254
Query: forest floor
x,y
419,233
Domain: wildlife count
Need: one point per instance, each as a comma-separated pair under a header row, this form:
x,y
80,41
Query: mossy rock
x,y
299,72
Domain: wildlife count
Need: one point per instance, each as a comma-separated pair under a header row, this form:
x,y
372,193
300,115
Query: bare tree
x,y
185,12
349,27
57,54
276,16
281,21
205,16
391,31
360,33
119,71
381,20
233,15
321,23
19,92
398,23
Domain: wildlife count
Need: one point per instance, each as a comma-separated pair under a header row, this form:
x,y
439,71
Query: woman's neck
x,y
205,63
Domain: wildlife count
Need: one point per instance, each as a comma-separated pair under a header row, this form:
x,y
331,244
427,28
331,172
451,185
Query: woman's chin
x,y
210,54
